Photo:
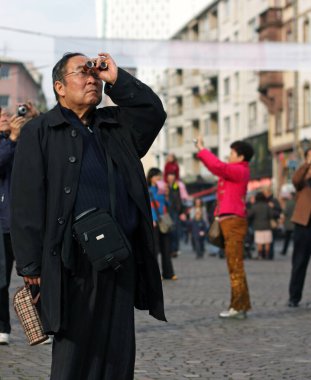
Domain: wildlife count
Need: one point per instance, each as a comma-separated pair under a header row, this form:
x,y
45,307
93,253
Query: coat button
x,y
131,95
54,253
67,189
73,133
72,159
61,220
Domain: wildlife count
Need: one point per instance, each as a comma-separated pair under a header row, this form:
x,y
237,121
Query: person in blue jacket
x,y
159,206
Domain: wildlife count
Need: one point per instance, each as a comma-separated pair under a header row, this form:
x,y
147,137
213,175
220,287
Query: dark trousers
x,y
98,342
5,326
287,239
175,234
162,242
271,252
199,245
300,261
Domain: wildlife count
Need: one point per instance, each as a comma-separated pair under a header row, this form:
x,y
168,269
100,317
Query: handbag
x,y
98,233
25,308
165,222
215,235
101,239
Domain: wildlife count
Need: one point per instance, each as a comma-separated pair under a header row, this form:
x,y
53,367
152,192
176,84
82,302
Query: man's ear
x,y
59,88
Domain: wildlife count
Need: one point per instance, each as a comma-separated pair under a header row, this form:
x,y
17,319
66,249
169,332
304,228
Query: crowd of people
x,y
76,160
250,223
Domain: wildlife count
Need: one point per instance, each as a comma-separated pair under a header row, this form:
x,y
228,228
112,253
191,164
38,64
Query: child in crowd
x,y
199,230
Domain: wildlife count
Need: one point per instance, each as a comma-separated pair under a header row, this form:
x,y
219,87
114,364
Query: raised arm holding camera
x,y
10,128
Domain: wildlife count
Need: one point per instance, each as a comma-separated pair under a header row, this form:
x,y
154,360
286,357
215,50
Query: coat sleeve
x,y
221,169
28,201
7,150
139,108
299,176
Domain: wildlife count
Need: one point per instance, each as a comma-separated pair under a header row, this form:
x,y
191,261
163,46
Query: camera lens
x,y
103,66
89,64
22,110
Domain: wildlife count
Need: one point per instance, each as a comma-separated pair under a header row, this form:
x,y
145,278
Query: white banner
x,y
266,56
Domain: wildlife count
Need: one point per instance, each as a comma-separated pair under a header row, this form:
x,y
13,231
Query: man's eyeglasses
x,y
83,74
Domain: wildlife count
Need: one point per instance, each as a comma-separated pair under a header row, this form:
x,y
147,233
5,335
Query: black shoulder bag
x,y
99,234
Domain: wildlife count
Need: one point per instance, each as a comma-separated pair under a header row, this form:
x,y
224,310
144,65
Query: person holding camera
x,y
231,210
10,128
81,158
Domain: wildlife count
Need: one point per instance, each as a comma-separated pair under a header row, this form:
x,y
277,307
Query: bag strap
x,y
111,184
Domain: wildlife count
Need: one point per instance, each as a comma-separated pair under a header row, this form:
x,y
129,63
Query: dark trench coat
x,y
44,185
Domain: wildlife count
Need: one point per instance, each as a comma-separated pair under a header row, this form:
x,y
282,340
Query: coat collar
x,y
56,118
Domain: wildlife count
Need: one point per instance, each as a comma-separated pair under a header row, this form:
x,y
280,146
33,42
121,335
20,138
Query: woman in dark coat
x,y
261,215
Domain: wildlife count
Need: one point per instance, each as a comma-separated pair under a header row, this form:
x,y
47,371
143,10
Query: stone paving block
x,y
271,344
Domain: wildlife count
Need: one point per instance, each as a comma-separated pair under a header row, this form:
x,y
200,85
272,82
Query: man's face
x,y
234,157
5,122
77,90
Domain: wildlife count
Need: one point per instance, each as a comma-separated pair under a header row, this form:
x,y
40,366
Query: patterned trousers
x,y
234,230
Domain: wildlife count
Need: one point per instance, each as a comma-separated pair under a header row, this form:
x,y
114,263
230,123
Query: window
x,y
227,128
278,123
306,31
307,105
207,129
236,122
289,32
252,115
195,128
236,9
4,100
227,87
4,71
252,30
226,8
180,136
290,110
237,82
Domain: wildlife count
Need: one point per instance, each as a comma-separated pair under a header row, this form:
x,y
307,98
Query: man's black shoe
x,y
292,304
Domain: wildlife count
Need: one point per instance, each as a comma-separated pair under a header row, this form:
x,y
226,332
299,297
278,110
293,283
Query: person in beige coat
x,y
302,230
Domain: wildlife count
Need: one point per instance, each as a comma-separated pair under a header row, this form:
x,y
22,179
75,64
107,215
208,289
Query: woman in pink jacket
x,y
231,211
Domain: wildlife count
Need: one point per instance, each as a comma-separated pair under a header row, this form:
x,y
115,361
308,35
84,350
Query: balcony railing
x,y
271,17
268,79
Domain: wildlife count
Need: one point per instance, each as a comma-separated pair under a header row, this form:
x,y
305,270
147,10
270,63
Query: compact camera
x,y
22,110
91,64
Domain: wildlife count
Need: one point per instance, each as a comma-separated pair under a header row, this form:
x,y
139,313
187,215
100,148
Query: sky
x,y
57,17
53,17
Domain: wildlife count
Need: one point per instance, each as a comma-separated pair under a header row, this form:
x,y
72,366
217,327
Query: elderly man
x,y
60,171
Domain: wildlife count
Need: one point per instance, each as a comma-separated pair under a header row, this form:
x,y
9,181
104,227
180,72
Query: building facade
x,y
146,19
20,82
222,106
272,110
286,95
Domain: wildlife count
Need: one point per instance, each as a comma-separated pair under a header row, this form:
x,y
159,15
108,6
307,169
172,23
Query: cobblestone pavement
x,y
272,343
